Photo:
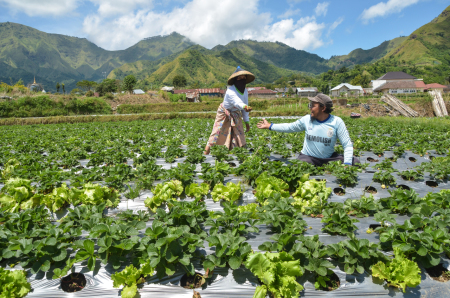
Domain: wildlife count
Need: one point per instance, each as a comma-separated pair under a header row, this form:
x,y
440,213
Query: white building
x,y
346,88
138,91
307,91
397,82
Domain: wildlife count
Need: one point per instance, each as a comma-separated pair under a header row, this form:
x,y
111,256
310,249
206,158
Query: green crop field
x,y
138,204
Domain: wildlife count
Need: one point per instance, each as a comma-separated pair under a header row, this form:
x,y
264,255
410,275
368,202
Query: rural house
x,y
396,82
307,91
346,88
262,93
435,86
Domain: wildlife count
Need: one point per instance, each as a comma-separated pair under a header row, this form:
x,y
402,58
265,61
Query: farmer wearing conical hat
x,y
228,128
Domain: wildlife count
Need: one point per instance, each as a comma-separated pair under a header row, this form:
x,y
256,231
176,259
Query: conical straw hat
x,y
239,72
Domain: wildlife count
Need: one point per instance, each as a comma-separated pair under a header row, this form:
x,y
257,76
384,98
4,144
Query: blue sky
x,y
325,28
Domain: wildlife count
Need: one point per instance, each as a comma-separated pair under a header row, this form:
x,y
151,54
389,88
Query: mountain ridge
x,y
27,52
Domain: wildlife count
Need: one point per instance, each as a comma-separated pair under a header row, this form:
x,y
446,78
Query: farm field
x,y
138,209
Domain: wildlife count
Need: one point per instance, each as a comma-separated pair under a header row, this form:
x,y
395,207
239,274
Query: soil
x,y
339,191
333,284
73,282
372,159
404,178
437,273
405,187
432,183
370,189
412,159
192,282
133,99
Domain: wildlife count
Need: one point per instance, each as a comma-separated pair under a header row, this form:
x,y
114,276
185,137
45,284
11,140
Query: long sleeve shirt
x,y
235,100
320,136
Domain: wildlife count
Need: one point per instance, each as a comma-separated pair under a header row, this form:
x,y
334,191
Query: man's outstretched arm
x,y
296,126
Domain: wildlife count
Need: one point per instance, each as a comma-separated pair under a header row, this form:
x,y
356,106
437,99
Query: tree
x,y
128,83
179,81
86,85
75,91
63,88
195,85
343,69
290,91
106,86
57,87
19,82
357,81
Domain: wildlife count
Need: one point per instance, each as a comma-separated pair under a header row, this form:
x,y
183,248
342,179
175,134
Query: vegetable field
x,y
141,212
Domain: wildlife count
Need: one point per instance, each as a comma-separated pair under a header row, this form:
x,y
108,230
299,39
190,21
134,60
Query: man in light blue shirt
x,y
322,130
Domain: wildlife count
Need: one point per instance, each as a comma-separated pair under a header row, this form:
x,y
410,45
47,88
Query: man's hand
x,y
264,124
247,125
248,108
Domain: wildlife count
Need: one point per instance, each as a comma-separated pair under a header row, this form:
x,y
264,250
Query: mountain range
x,y
27,53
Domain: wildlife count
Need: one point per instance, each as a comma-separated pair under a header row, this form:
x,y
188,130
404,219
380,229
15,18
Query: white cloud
x,y
42,7
385,8
113,7
303,34
205,22
334,25
289,13
321,9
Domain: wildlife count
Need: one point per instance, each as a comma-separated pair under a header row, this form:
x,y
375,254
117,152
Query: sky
x,y
324,28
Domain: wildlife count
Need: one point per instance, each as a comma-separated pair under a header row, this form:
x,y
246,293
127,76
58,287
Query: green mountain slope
x,y
279,54
60,58
360,56
199,64
428,45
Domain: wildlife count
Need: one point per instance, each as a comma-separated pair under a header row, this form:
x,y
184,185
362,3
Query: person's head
x,y
241,75
319,105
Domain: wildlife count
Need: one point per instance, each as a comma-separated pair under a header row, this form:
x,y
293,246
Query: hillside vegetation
x,y
279,54
26,52
201,66
360,56
428,45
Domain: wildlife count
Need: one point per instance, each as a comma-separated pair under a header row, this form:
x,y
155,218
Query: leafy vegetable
x,y
163,193
130,277
400,272
277,272
197,191
267,186
311,196
13,283
230,193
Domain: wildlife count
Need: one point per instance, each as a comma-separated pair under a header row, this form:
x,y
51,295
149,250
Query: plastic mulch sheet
x,y
242,283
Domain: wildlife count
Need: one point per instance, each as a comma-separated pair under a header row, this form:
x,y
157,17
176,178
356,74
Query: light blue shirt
x,y
320,136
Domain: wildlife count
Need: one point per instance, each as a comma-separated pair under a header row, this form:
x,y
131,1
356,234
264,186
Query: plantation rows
x,y
138,204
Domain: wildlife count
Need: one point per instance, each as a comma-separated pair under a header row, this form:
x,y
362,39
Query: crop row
x,y
38,162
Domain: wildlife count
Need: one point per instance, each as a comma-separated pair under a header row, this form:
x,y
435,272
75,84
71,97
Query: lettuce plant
x,y
13,283
400,272
311,196
197,191
267,186
277,272
230,192
164,192
130,277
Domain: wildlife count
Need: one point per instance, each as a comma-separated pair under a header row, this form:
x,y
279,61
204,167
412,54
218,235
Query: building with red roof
x,y
436,86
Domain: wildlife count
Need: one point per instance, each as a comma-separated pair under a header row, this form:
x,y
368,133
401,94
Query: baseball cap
x,y
321,98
